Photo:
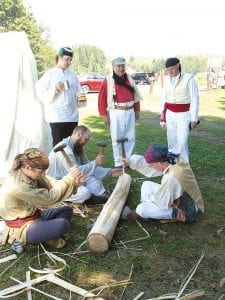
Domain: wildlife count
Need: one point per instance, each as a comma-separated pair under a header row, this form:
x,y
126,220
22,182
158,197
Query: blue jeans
x,y
54,223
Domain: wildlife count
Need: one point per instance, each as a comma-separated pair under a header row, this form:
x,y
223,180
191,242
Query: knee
x,y
67,212
140,209
63,226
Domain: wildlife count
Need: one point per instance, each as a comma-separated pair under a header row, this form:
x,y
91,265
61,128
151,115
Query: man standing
x,y
92,170
118,104
58,89
179,107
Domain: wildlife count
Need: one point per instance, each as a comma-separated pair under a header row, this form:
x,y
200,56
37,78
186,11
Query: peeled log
x,y
102,232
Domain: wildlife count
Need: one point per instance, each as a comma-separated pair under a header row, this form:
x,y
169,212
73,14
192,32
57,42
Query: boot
x,y
56,243
128,214
102,199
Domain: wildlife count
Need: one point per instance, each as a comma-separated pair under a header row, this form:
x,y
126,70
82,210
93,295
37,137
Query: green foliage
x,y
191,64
158,64
88,58
15,17
194,64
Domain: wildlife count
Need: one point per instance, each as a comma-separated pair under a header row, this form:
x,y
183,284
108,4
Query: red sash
x,y
19,222
174,108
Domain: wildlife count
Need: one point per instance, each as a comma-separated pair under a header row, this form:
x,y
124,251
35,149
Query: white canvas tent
x,y
22,122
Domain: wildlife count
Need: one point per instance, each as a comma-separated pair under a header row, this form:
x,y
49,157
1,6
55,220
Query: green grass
x,y
172,249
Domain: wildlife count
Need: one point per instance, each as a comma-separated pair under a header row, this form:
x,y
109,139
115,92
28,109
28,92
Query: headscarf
x,y
33,157
159,153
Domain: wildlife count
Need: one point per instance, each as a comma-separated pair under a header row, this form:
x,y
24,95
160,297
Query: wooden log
x,y
102,232
82,100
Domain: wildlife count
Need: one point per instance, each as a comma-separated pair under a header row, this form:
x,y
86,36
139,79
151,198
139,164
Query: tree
x,y
88,58
194,64
15,17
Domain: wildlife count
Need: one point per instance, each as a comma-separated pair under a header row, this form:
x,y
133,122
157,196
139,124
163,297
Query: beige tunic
x,y
20,197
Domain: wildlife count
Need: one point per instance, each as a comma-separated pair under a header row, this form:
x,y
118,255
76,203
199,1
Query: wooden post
x,y
151,85
102,232
82,100
161,77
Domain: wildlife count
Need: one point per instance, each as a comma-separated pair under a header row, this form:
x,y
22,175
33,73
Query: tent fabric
x,y
22,122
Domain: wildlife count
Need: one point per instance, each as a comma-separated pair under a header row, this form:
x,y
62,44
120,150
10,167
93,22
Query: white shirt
x,y
170,188
63,106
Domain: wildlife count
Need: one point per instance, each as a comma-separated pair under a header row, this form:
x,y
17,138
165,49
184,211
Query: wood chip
x,y
139,296
7,258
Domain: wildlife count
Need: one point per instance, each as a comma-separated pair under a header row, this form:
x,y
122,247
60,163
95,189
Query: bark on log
x,y
102,232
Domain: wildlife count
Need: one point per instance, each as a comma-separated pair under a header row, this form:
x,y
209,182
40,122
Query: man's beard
x,y
78,149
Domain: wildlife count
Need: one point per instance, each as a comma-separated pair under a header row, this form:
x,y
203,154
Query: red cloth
x,y
19,222
123,95
175,108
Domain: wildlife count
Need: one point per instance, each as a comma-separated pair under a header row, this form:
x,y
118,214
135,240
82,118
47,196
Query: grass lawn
x,y
161,262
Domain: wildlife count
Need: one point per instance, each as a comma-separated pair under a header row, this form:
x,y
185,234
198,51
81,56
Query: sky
x,y
145,28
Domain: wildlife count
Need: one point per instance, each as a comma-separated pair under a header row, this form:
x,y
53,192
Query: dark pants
x,y
54,223
187,206
61,131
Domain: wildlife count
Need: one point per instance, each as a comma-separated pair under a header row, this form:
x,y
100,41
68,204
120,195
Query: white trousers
x,y
92,186
148,209
122,125
178,133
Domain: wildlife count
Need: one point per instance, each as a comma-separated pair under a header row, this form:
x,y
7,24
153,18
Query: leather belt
x,y
124,107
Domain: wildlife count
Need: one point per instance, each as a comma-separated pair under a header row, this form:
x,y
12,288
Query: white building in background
x,y
22,122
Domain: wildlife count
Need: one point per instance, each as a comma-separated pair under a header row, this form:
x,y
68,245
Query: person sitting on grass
x,y
177,197
25,195
93,191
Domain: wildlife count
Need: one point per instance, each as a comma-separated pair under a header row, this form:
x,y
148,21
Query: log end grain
x,y
97,243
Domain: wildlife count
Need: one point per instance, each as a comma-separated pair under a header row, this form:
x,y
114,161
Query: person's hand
x,y
106,120
77,175
193,125
125,161
137,115
100,159
59,87
163,126
116,172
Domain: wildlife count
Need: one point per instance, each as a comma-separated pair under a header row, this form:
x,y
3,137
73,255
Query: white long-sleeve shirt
x,y
58,166
62,106
170,188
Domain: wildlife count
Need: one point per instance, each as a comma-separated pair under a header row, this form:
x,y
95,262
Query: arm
x,y
102,102
47,89
194,96
42,197
138,163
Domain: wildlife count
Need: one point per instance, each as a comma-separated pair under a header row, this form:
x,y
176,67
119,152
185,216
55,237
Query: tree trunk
x,y
102,232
